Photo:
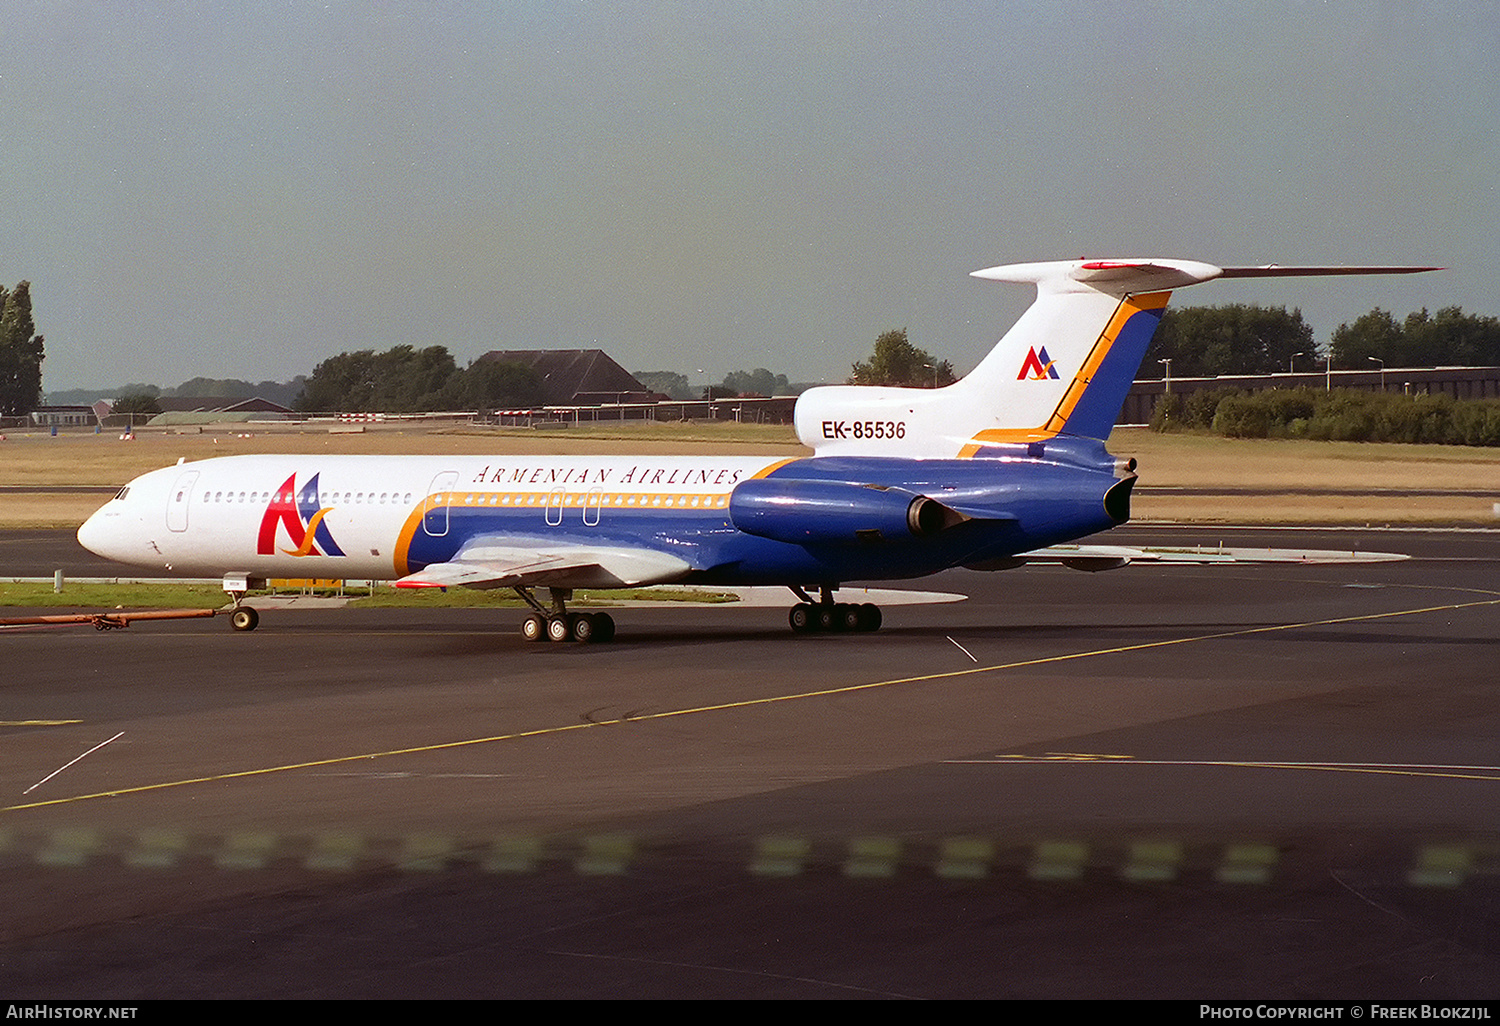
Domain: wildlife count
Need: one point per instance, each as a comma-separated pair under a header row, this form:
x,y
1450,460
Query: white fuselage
x,y
360,516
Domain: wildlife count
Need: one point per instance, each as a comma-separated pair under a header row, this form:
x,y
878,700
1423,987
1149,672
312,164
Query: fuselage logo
x,y
1038,366
301,515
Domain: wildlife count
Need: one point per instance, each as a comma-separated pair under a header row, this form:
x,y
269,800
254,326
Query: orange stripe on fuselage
x,y
767,471
1004,436
614,501
403,540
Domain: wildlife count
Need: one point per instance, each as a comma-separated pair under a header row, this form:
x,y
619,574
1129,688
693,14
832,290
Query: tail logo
x,y
301,516
1038,366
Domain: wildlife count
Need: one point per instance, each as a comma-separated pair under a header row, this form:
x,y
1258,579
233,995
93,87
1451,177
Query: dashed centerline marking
x,y
753,702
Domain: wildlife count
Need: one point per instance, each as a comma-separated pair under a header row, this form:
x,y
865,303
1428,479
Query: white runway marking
x,y
1408,769
962,649
65,765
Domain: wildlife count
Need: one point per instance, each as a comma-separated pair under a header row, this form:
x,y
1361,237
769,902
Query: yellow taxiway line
x,y
752,702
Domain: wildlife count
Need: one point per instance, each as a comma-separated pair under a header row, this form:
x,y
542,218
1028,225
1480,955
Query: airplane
x,y
1005,466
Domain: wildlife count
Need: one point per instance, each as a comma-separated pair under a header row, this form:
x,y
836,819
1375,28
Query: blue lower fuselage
x,y
1007,504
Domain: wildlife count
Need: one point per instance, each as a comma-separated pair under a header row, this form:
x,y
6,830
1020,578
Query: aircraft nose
x,y
92,534
106,533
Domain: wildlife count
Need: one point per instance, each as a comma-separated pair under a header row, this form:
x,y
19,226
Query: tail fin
x,y
1063,368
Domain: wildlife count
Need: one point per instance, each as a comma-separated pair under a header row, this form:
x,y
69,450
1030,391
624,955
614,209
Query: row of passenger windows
x,y
322,498
594,498
468,499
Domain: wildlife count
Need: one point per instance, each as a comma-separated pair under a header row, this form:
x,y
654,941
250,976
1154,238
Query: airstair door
x,y
179,499
435,507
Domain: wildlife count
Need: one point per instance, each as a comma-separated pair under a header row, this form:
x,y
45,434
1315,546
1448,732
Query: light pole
x,y
1378,360
1166,375
1328,381
1291,363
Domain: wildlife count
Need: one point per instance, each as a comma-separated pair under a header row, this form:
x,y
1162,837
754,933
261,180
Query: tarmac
x,y
1244,782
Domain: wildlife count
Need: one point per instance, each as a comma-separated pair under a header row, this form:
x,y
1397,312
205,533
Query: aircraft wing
x,y
1112,557
510,564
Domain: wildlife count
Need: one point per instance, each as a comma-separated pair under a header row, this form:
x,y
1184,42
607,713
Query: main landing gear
x,y
557,624
825,616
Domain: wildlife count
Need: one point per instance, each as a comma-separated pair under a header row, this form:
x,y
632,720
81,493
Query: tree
x,y
1374,334
226,388
400,380
140,405
21,353
412,380
1206,341
1422,340
494,384
757,382
668,383
896,361
341,384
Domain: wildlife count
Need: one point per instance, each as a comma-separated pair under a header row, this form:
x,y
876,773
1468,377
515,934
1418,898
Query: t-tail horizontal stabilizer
x,y
1064,368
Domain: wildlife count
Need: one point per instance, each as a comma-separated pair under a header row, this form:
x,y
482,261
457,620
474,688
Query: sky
x,y
241,190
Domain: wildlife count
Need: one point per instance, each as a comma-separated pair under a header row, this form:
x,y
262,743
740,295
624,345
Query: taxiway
x,y
1237,781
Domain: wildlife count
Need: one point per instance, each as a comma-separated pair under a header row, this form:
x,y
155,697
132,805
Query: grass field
x,y
1211,461
1262,481
112,596
91,595
87,459
1242,480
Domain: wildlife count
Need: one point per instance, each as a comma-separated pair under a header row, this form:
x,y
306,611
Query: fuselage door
x,y
435,507
592,505
179,499
554,507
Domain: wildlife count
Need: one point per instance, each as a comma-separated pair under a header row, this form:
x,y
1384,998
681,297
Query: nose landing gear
x,y
243,617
